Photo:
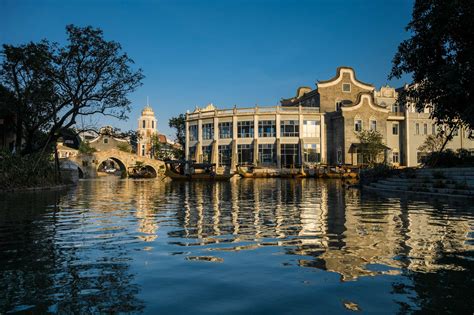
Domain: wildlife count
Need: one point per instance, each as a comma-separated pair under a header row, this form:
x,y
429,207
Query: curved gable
x,y
338,78
365,98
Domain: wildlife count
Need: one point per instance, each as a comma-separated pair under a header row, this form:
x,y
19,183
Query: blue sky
x,y
226,52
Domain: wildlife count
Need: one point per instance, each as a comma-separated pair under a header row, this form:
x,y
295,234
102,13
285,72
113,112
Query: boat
x,y
250,171
255,172
140,172
176,170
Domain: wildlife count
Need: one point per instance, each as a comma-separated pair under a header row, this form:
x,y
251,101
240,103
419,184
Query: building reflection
x,y
326,225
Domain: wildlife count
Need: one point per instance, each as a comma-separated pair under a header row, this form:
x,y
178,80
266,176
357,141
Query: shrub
x,y
33,170
85,148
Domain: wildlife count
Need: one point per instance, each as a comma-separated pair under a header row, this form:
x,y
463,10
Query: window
x,y
357,125
266,154
395,127
395,157
193,133
153,124
346,87
245,129
266,128
311,153
206,153
290,155
143,150
106,140
417,129
373,125
225,130
420,157
207,131
311,128
289,128
245,153
225,152
395,108
425,129
143,124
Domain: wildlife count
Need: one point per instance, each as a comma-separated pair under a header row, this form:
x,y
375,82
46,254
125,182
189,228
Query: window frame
x,y
287,125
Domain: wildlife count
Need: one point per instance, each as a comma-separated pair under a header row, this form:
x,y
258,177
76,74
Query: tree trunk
x,y
56,160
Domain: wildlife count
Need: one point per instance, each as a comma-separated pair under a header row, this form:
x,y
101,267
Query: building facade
x,y
316,126
147,128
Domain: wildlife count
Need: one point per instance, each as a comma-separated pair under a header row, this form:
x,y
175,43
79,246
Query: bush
x,y
33,170
449,158
85,148
375,173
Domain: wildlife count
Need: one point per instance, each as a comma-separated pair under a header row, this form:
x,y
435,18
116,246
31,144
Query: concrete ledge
x,y
417,192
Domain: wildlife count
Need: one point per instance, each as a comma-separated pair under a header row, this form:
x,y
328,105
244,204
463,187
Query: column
x,y
322,139
255,136
277,142
199,144
234,159
215,147
186,146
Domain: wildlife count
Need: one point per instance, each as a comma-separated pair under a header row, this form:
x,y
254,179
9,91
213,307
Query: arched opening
x,y
151,170
140,170
71,170
111,166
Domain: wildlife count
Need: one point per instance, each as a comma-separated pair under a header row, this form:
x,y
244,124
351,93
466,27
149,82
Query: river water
x,y
245,246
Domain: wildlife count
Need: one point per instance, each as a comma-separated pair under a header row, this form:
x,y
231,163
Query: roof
x,y
338,74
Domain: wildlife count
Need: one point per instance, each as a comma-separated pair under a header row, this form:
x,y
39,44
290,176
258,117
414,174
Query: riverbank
x,y
442,182
38,188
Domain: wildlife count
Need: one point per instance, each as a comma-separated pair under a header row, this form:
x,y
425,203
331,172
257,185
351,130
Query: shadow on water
x,y
114,245
45,264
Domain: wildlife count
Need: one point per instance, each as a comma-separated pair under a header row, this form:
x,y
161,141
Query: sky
x,y
225,52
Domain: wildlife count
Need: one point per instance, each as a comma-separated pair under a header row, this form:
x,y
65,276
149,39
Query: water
x,y
245,246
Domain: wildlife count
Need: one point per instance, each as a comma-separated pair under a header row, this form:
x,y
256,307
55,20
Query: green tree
x,y
439,56
27,92
54,85
179,124
371,145
161,151
433,143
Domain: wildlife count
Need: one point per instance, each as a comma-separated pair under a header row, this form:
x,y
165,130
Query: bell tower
x,y
147,127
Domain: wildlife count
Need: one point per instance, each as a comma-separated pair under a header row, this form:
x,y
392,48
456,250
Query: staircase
x,y
452,182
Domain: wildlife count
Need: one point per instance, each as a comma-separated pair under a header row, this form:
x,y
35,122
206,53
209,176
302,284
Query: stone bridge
x,y
88,164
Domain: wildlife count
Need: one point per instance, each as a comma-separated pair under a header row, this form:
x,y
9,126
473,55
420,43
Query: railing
x,y
253,111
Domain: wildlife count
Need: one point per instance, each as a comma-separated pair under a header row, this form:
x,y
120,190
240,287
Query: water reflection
x,y
94,248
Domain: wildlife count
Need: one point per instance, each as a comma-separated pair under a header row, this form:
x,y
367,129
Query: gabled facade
x,y
315,126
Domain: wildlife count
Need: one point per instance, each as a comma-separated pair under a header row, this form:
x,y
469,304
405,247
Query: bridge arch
x,y
72,168
122,165
151,169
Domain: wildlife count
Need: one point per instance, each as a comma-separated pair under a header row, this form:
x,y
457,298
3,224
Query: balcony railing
x,y
253,111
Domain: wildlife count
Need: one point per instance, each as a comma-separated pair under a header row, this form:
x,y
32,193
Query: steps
x,y
452,182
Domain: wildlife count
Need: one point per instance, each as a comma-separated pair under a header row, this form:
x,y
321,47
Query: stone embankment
x,y
452,182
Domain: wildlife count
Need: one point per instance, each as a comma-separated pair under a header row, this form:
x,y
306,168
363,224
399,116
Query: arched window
x,y
143,124
373,124
153,124
357,124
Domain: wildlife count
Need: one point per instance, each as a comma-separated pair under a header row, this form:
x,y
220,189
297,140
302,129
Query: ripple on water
x,y
311,246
